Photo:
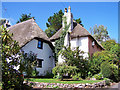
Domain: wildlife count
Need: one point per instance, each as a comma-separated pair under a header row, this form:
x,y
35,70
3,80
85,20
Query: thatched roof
x,y
78,31
26,31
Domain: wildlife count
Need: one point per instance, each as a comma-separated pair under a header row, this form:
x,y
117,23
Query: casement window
x,y
39,63
40,44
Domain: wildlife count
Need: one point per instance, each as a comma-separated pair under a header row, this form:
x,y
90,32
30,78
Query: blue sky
x,y
91,13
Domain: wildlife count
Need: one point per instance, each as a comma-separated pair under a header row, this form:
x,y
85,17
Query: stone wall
x,y
101,84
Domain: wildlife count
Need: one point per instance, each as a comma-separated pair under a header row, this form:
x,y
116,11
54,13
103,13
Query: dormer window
x,y
40,44
93,43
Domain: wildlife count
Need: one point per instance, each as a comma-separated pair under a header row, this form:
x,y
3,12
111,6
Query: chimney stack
x,y
65,11
69,9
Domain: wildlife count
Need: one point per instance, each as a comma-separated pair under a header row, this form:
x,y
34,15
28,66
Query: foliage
x,y
60,42
97,59
98,76
106,61
11,77
62,69
100,33
112,47
79,21
74,57
25,17
107,81
35,72
114,76
54,23
28,63
109,71
50,31
89,74
77,77
105,69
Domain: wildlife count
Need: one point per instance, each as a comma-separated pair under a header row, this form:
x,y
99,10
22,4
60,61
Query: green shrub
x,y
77,77
107,81
110,71
106,69
98,76
89,74
114,75
35,72
63,69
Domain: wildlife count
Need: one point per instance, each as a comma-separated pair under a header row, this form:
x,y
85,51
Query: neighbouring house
x,y
77,36
31,38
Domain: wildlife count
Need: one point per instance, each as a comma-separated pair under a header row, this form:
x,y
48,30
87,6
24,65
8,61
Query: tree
x,y
11,56
28,64
50,31
55,23
100,33
113,48
79,21
74,57
25,17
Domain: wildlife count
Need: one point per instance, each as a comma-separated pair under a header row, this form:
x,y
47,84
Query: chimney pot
x,y
65,10
69,9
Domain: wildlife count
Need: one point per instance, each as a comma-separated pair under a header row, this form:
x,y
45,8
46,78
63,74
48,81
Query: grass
x,y
64,82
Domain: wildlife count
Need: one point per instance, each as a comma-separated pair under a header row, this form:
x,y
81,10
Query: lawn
x,y
64,82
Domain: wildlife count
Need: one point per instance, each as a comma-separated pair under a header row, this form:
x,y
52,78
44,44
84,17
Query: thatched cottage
x,y
78,36
31,38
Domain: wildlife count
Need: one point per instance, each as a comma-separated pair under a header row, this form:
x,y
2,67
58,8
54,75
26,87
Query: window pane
x,y
39,63
40,44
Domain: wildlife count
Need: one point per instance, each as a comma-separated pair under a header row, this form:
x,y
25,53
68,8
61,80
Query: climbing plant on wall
x,y
60,42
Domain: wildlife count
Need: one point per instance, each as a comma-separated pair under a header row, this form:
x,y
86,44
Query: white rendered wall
x,y
82,42
44,54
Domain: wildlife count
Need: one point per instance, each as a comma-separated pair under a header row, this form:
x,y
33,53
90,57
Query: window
x,y
40,44
93,43
39,63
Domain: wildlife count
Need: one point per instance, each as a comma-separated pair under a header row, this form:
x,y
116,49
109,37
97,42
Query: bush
x,y
77,77
107,81
98,76
35,72
106,69
110,71
114,75
63,69
58,77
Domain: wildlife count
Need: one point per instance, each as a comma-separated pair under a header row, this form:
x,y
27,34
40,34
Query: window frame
x,y
39,66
